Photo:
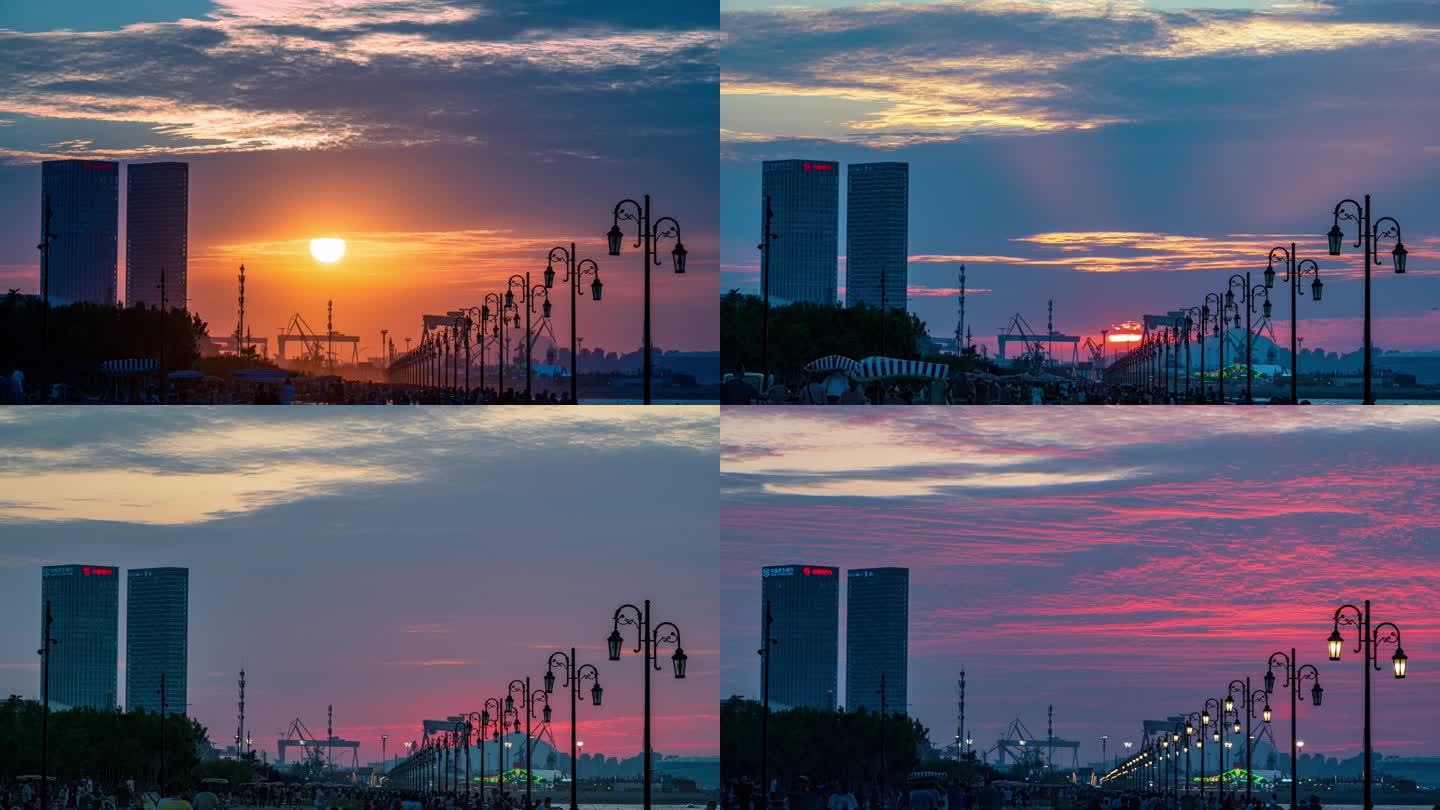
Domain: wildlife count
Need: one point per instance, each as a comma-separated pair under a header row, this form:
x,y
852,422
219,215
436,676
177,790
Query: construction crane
x,y
1018,746
1019,331
314,345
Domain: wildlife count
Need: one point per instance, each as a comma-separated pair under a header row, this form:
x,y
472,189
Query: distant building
x,y
805,203
84,200
85,608
805,606
877,228
157,206
877,637
157,632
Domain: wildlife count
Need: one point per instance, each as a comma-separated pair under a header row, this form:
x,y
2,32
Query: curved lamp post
x,y
1369,236
1194,323
498,735
1295,675
527,706
574,677
648,235
1246,301
1294,271
574,271
1247,707
527,300
647,641
482,719
1368,641
493,306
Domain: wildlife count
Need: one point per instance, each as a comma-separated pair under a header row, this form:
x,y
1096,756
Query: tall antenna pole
x,y
240,324
1050,738
330,737
330,330
960,732
960,334
240,730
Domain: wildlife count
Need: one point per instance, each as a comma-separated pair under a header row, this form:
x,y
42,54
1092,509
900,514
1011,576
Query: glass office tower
x,y
157,621
805,203
85,607
877,227
805,607
877,637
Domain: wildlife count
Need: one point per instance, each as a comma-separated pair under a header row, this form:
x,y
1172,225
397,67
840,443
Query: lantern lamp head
x,y
1335,237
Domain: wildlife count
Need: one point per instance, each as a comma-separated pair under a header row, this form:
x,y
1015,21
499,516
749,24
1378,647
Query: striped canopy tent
x,y
131,366
881,368
832,362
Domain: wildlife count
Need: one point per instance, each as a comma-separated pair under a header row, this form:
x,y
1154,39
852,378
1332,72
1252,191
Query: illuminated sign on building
x,y
91,571
778,571
818,167
866,572
818,572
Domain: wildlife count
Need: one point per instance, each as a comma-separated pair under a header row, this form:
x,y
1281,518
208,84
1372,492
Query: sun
x,y
327,250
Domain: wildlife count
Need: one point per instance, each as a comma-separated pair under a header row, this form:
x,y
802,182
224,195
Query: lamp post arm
x,y
1344,618
1341,212
624,213
1389,636
661,635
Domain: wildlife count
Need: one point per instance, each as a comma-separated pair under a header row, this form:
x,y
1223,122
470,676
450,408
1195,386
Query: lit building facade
x,y
805,607
85,609
84,197
877,227
805,204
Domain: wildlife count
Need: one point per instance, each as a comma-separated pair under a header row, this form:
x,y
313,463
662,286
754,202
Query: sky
x,y
1118,157
451,144
399,569
1119,567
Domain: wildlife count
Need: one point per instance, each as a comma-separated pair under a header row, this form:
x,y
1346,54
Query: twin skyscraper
x,y
84,603
804,610
84,203
804,200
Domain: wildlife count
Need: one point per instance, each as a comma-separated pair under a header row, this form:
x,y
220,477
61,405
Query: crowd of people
x,y
932,792
957,389
939,792
87,794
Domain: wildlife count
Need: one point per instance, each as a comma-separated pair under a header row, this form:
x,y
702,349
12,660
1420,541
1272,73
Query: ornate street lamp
x,y
1246,300
574,271
574,677
1295,675
1294,271
649,235
1248,700
526,706
648,640
527,301
1369,237
1368,642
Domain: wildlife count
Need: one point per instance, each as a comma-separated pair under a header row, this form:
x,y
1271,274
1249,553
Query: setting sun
x,y
327,250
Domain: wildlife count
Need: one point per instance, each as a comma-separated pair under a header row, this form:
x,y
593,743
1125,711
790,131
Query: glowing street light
x,y
1370,637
